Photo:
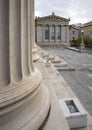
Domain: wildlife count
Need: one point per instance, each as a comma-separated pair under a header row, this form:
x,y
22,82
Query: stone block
x,y
74,112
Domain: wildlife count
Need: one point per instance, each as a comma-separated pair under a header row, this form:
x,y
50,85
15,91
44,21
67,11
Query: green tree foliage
x,y
87,40
76,43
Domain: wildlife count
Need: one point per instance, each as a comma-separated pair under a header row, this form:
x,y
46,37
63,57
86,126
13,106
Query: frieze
x,y
51,23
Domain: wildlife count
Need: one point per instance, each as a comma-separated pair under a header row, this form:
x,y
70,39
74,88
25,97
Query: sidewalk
x,y
73,49
88,50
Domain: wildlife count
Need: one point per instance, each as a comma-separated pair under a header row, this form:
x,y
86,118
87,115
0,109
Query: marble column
x,y
31,33
24,101
35,57
24,39
56,33
43,33
49,33
61,33
67,33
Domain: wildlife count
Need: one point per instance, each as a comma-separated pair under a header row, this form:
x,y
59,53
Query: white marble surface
x,y
76,119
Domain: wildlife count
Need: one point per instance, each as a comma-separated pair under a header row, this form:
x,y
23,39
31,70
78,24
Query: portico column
x,y
35,57
67,33
24,38
61,33
43,33
31,33
55,33
49,33
23,98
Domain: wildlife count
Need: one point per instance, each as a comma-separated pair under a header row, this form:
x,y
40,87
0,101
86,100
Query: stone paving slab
x,y
59,63
42,69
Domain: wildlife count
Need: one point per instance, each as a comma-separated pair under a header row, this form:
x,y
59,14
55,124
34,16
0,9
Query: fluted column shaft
x,y
67,33
23,99
61,33
16,40
43,33
33,23
49,33
55,33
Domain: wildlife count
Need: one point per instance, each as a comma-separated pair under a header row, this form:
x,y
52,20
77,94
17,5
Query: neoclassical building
x,y
87,28
74,32
51,30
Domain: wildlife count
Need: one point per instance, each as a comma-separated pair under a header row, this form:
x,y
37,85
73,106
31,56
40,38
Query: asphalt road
x,y
79,80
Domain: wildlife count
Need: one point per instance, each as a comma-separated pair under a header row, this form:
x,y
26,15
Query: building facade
x,y
74,32
87,28
51,30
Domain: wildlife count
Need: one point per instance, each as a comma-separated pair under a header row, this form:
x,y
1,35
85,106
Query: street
x,y
79,80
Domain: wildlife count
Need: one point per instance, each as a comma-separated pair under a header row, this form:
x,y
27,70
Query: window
x,y
58,32
73,32
46,32
53,32
73,38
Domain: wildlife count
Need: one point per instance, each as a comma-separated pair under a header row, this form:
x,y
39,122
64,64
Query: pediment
x,y
52,17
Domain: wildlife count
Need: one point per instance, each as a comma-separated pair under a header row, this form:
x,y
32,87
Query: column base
x,y
82,49
35,56
28,113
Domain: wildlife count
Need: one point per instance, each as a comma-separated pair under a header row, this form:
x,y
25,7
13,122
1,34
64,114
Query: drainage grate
x,y
71,106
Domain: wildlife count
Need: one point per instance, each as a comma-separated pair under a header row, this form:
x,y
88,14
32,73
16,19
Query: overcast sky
x,y
79,11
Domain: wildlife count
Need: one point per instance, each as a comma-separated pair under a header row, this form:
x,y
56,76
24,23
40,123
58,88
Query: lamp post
x,y
82,46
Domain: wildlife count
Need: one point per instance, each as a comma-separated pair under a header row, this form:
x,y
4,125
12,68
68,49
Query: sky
x,y
79,11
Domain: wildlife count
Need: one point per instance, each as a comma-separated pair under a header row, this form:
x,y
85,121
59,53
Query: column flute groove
x,y
30,33
61,33
15,39
4,43
24,37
